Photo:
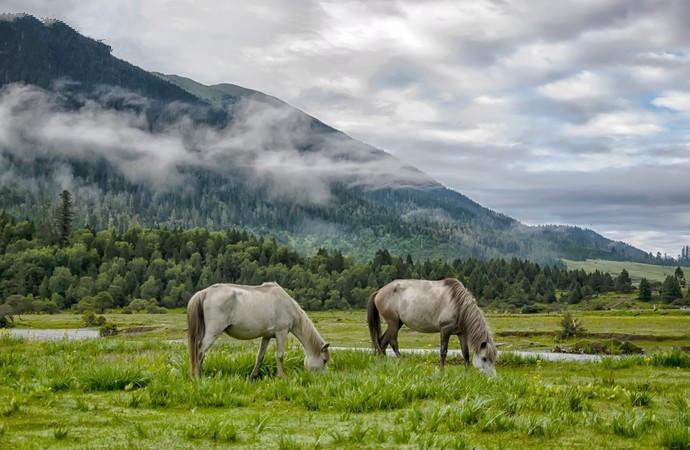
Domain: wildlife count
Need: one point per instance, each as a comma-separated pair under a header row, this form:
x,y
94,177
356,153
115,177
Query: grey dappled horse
x,y
444,307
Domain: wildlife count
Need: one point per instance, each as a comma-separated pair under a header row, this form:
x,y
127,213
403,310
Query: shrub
x,y
90,319
141,305
109,329
98,303
6,319
570,327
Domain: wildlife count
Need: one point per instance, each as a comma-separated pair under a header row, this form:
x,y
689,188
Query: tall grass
x,y
361,400
673,358
211,429
676,437
112,378
631,424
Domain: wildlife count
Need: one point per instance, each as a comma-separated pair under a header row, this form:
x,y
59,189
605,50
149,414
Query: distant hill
x,y
636,270
154,149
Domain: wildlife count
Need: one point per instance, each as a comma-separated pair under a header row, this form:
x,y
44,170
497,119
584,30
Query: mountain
x,y
136,147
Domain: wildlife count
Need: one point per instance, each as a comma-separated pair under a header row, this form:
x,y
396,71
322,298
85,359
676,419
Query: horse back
x,y
422,305
250,311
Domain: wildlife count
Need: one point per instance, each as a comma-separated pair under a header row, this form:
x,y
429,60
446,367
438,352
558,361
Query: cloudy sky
x,y
576,113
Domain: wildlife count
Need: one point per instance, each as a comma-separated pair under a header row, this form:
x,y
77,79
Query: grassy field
x,y
119,393
637,271
132,391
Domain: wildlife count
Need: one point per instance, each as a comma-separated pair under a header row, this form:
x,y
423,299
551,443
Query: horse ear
x,y
325,347
482,346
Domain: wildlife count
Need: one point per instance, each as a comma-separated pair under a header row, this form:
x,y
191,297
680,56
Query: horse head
x,y
484,359
318,361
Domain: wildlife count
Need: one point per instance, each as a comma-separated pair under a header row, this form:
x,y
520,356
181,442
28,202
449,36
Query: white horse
x,y
444,307
250,312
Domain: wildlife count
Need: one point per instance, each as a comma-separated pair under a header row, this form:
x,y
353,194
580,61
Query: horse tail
x,y
196,328
374,323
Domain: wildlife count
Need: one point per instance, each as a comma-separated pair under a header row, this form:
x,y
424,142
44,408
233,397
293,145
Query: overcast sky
x,y
570,112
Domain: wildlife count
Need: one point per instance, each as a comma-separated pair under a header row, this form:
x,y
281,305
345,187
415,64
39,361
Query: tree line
x,y
150,268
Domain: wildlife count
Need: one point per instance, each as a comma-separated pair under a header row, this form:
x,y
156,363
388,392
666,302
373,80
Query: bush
x,y
90,319
531,309
570,327
141,305
6,319
109,329
99,303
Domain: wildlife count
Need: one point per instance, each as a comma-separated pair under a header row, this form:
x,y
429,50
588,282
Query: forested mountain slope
x,y
136,147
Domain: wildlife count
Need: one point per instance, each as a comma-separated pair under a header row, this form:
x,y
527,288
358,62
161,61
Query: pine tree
x,y
623,282
644,290
575,294
671,290
680,276
63,216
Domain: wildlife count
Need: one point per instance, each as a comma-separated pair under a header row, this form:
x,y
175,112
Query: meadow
x,y
133,391
636,270
654,331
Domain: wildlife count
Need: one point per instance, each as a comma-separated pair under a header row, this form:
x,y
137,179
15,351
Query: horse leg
x,y
281,338
391,336
385,340
446,332
465,349
394,338
210,337
260,357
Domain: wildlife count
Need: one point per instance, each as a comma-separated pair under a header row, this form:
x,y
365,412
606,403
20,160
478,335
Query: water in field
x,y
83,333
545,356
52,334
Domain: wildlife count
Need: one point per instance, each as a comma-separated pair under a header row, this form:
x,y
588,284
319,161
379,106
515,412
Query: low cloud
x,y
275,145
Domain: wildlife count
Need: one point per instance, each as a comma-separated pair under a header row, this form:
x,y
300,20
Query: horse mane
x,y
470,317
304,328
308,332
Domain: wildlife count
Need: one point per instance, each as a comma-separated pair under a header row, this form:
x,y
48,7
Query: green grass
x,y
654,331
636,270
126,393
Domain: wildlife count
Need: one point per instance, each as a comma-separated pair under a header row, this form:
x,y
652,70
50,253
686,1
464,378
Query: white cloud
x,y
675,100
490,100
617,124
582,86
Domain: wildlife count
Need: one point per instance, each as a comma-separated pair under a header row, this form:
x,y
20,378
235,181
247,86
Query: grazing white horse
x,y
250,312
444,307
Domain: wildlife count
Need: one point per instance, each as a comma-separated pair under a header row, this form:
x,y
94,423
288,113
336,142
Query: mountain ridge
x,y
240,158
